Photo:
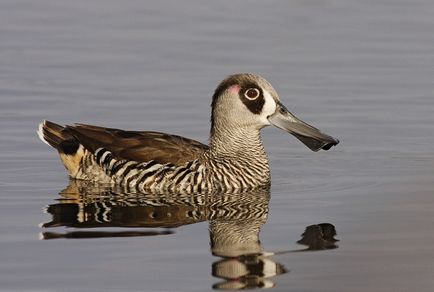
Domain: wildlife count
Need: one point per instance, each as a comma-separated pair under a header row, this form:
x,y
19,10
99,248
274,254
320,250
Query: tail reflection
x,y
235,221
102,234
83,206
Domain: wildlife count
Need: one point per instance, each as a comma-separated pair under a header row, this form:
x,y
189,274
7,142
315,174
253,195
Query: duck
x,y
155,162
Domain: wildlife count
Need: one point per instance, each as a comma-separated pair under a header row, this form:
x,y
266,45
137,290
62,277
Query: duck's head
x,y
248,101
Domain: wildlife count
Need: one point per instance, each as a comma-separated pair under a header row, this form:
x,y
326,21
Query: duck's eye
x,y
252,93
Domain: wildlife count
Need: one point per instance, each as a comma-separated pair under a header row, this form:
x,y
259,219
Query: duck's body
x,y
152,161
157,162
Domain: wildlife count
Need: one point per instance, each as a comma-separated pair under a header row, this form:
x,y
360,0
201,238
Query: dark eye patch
x,y
254,104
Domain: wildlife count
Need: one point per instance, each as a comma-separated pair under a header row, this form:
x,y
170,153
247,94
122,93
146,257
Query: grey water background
x,y
359,70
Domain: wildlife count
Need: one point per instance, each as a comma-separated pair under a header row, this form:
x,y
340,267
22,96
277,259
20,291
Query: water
x,y
359,70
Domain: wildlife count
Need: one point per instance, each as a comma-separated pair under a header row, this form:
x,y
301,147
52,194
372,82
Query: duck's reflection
x,y
235,221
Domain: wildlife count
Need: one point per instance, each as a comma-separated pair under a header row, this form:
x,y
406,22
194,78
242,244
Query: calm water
x,y
359,70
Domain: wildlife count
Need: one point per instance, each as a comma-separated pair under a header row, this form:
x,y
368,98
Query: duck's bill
x,y
309,135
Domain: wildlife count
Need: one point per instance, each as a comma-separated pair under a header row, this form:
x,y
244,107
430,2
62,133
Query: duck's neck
x,y
236,143
239,153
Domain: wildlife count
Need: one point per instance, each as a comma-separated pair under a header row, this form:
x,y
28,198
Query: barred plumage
x,y
147,176
235,160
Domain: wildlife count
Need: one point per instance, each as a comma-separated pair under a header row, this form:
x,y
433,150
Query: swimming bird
x,y
234,160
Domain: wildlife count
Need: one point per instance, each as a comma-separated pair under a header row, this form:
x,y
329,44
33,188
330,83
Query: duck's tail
x,y
69,148
58,137
50,133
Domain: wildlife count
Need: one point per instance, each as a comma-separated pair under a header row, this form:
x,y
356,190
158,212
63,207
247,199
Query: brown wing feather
x,y
138,146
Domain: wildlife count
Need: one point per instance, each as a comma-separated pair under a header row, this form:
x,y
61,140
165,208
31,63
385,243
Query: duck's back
x,y
140,146
81,148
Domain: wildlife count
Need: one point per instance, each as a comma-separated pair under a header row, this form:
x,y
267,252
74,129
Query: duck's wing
x,y
138,146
